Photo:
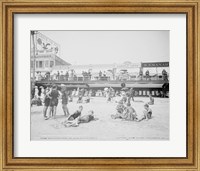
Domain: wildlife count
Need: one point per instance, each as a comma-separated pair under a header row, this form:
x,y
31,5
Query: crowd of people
x,y
49,99
71,75
85,94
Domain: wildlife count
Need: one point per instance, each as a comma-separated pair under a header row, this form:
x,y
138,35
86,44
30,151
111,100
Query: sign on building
x,y
45,45
155,64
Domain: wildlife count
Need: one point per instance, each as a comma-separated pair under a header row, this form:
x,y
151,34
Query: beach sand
x,y
104,128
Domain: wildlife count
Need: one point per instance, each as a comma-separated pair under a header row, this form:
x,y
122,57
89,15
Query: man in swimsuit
x,y
46,102
54,94
65,101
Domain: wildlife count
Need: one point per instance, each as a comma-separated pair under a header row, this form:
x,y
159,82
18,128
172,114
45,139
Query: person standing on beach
x,y
65,101
54,101
46,103
151,100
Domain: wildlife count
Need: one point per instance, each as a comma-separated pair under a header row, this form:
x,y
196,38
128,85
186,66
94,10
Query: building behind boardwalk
x,y
47,54
115,71
111,71
45,58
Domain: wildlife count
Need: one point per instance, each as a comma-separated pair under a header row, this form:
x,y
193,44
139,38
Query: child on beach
x,y
36,101
117,98
151,100
123,97
46,102
87,99
87,118
73,119
54,94
65,101
80,99
147,113
120,109
129,113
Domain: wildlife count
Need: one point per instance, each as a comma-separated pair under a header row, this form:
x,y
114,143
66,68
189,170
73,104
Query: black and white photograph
x,y
99,85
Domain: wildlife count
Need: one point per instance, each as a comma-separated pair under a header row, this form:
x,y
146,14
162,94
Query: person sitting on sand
x,y
73,119
151,100
87,99
87,118
120,109
117,98
36,101
129,113
80,99
123,97
147,113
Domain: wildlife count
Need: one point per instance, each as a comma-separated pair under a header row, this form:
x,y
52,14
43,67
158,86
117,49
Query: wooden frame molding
x,y
11,7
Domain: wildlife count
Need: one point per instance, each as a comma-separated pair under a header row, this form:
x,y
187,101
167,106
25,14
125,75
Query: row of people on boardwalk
x,y
87,75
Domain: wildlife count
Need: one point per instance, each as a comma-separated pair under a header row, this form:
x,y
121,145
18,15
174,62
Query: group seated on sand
x,y
124,111
127,112
75,119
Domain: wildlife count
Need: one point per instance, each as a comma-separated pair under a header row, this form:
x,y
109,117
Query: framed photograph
x,y
99,85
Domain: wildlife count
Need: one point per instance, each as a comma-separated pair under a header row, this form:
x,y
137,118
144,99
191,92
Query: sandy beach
x,y
104,128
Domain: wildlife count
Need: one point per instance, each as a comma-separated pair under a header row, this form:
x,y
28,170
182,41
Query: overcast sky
x,y
108,47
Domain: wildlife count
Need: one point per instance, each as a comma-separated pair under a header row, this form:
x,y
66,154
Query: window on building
x,y
40,64
37,64
51,63
46,64
31,64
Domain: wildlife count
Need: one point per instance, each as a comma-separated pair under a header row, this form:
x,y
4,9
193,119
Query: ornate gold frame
x,y
10,7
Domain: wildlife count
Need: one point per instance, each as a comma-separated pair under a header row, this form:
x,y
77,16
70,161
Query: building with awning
x,y
45,54
155,68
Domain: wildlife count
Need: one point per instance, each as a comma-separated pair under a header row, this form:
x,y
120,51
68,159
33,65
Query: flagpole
x,y
33,40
